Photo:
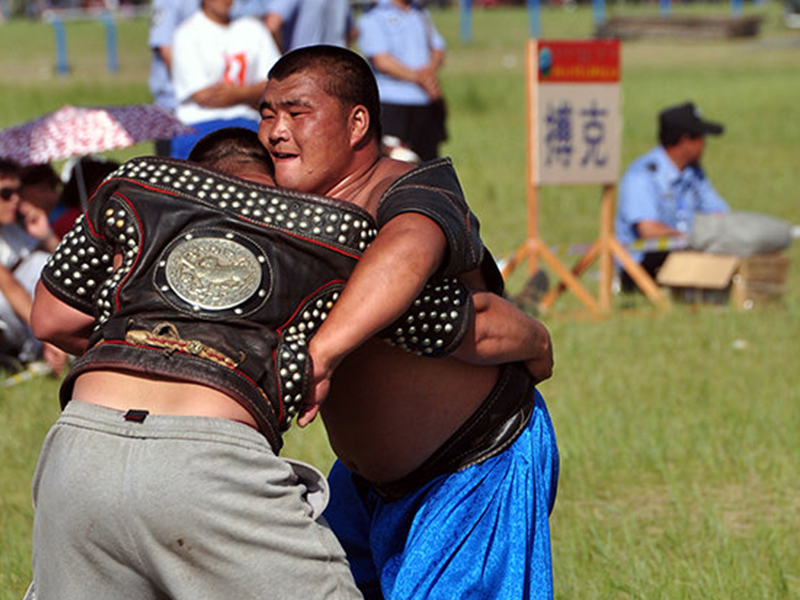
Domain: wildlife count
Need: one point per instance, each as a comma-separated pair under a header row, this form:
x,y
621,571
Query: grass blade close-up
x,y
679,429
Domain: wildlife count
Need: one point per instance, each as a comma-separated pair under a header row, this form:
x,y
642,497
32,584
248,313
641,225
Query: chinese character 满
x,y
558,136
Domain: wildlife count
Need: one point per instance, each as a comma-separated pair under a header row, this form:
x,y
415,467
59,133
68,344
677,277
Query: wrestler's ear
x,y
359,124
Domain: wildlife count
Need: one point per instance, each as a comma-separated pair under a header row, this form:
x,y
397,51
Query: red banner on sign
x,y
585,61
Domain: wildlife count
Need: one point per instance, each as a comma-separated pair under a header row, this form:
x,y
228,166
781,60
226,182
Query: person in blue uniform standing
x,y
661,191
298,23
406,53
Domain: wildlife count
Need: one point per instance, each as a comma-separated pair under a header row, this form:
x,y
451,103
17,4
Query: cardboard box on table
x,y
745,282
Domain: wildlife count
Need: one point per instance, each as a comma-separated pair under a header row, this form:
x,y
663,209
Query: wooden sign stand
x,y
605,248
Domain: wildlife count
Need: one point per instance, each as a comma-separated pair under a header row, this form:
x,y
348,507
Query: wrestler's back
x,y
125,391
389,410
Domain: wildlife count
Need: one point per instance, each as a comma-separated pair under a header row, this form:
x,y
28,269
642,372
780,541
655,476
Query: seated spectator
x,y
41,186
26,240
662,191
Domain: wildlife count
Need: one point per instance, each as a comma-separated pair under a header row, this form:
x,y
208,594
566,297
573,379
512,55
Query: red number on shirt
x,y
235,68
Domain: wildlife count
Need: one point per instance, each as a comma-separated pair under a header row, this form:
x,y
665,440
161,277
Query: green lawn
x,y
679,431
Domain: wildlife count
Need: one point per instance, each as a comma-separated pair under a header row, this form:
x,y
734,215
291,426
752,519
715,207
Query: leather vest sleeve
x,y
433,189
436,323
80,264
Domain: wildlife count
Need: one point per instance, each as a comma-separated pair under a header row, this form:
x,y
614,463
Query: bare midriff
x,y
389,410
122,391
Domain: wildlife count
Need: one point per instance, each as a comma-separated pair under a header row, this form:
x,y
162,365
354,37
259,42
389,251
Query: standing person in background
x,y
661,191
219,68
406,52
297,23
41,186
165,18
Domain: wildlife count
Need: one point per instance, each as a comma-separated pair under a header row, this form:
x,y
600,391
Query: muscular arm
x,y
56,322
388,278
503,333
22,305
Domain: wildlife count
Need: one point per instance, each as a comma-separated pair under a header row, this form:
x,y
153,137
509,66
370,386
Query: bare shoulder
x,y
394,168
385,174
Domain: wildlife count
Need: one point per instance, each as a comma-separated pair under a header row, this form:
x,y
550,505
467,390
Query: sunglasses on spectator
x,y
7,192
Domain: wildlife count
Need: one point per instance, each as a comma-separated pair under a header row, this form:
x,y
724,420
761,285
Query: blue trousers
x,y
482,532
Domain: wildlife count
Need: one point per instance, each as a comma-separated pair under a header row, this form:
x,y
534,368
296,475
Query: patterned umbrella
x,y
80,130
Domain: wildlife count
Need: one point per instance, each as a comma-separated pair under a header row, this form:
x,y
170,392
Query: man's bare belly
x,y
122,391
388,410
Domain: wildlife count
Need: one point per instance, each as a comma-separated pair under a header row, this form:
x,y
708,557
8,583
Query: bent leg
x,y
349,516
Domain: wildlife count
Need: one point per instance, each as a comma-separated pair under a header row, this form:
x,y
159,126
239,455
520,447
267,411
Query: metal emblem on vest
x,y
213,273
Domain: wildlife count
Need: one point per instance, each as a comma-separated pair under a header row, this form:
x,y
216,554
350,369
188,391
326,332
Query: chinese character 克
x,y
594,131
560,133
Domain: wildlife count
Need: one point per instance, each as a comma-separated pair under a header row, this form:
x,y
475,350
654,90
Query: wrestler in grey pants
x,y
180,508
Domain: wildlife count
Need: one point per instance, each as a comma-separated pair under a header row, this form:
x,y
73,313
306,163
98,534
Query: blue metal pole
x,y
736,7
111,42
665,7
534,19
599,12
466,21
62,63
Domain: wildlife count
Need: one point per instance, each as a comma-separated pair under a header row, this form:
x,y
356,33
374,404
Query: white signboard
x,y
576,108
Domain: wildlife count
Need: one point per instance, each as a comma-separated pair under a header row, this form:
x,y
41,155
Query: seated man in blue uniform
x,y
661,191
448,465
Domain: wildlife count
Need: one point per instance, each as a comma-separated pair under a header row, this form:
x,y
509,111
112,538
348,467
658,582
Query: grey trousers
x,y
177,508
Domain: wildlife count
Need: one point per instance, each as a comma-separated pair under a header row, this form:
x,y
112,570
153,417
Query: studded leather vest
x,y
221,282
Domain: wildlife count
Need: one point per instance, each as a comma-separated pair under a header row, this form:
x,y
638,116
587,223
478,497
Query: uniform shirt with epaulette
x,y
654,189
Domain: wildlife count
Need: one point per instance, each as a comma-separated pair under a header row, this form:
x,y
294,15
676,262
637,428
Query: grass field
x,y
679,431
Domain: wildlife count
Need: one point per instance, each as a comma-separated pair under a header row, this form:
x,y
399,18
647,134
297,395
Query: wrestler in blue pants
x,y
482,532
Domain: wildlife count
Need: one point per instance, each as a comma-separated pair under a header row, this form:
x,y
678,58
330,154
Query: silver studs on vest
x,y
122,230
435,324
291,357
297,214
79,262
